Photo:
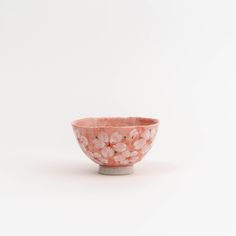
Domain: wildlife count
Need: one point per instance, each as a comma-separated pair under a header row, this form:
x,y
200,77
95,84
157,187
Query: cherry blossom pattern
x,y
127,157
134,156
117,149
83,141
139,144
148,135
97,157
144,143
121,158
109,146
133,134
77,133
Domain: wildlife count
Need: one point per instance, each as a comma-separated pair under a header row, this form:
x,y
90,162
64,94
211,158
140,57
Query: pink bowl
x,y
116,144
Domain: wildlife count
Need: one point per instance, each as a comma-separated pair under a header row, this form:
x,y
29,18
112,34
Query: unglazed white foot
x,y
121,170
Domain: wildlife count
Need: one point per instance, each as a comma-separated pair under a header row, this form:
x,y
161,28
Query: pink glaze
x,y
115,141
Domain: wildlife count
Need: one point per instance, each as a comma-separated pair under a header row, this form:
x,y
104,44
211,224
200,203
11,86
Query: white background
x,y
62,60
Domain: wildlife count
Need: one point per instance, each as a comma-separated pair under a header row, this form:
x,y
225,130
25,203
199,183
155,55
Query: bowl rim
x,y
155,121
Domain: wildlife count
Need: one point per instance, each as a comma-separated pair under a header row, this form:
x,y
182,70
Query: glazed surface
x,y
114,122
116,146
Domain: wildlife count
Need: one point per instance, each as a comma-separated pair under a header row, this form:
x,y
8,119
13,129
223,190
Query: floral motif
x,y
124,162
83,141
120,147
77,133
116,149
133,133
134,154
126,154
149,134
116,137
119,157
97,157
107,152
109,146
139,143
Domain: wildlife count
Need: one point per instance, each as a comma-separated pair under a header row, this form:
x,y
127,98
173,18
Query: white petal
x,y
153,133
124,162
98,161
119,158
133,133
103,160
126,153
90,154
83,147
84,140
97,155
120,147
134,154
116,137
77,133
107,152
146,134
139,143
134,159
103,137
98,144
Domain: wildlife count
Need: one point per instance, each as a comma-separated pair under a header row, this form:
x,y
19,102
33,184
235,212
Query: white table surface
x,y
62,194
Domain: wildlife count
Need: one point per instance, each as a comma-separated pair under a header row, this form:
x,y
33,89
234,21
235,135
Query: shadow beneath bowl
x,y
75,169
154,168
65,169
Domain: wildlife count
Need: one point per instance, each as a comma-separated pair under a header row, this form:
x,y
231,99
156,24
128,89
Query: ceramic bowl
x,y
115,144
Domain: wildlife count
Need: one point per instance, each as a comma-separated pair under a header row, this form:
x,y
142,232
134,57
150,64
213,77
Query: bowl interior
x,y
114,122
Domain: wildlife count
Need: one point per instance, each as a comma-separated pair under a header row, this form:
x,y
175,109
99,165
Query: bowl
x,y
115,143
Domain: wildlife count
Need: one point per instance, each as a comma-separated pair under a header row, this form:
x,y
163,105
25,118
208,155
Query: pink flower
x,y
134,156
149,134
103,137
77,133
83,140
109,146
126,157
124,162
126,153
139,143
119,158
116,137
120,147
133,133
98,144
153,133
102,160
98,158
107,152
90,153
97,155
83,148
